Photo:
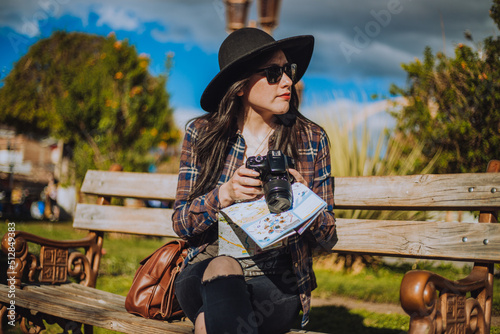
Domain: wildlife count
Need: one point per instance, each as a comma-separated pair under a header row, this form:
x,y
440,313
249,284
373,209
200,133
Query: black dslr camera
x,y
273,170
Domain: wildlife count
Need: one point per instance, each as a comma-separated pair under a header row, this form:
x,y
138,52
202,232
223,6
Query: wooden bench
x,y
42,291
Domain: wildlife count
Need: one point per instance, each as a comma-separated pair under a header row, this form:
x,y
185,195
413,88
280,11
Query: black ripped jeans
x,y
232,305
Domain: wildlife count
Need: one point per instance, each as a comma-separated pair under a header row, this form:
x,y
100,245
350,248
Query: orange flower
x,y
464,65
136,90
485,76
118,45
460,45
143,64
119,75
154,132
163,145
111,104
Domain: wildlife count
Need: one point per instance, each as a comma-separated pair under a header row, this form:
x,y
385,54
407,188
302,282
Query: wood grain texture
x,y
126,184
93,307
471,242
437,240
89,311
144,221
433,240
465,192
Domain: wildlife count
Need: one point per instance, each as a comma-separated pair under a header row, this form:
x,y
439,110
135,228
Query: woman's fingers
x,y
298,177
244,185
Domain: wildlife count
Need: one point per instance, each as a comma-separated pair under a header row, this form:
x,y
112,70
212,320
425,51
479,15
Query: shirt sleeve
x,y
323,228
191,218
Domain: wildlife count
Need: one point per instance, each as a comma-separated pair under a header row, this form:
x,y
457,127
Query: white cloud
x,y
201,23
117,18
23,21
193,22
196,22
27,17
354,115
183,115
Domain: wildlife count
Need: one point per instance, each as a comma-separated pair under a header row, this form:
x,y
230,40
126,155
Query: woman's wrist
x,y
225,199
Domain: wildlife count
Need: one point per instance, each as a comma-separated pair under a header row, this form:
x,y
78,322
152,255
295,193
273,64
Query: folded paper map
x,y
247,228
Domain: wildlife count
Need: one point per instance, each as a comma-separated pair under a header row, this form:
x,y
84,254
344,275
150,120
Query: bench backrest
x,y
423,239
125,219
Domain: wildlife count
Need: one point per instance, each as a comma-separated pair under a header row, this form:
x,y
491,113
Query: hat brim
x,y
298,50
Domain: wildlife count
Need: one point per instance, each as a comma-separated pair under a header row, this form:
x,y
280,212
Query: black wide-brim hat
x,y
243,46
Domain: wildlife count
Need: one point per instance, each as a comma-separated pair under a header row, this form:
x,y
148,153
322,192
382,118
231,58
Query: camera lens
x,y
278,194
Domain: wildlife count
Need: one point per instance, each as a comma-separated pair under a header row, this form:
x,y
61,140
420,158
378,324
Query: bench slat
x,y
77,294
97,308
117,301
413,192
433,240
126,184
76,290
419,192
144,221
90,313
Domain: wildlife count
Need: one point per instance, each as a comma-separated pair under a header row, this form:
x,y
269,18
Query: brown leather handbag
x,y
152,292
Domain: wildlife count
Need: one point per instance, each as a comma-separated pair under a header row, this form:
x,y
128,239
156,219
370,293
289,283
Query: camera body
x,y
273,169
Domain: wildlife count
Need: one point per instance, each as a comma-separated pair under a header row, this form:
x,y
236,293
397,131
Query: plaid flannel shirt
x,y
192,219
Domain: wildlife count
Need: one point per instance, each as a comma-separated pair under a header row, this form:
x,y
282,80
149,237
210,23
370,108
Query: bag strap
x,y
166,301
178,259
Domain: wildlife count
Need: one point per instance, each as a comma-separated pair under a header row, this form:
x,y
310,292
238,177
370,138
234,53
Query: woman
x,y
252,108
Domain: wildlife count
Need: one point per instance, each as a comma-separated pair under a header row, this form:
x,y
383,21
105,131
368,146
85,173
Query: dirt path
x,y
372,307
351,303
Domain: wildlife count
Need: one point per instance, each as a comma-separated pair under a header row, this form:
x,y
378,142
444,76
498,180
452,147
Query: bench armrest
x,y
435,303
57,259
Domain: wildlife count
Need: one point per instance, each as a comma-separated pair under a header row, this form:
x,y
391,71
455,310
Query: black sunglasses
x,y
275,72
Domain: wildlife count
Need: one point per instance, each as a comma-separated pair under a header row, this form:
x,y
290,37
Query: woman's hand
x,y
298,177
243,186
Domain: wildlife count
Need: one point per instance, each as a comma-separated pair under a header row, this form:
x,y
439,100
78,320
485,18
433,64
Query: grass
x,y
370,285
377,285
123,254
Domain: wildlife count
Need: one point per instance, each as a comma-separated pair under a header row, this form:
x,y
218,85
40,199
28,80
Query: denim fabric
x,y
274,298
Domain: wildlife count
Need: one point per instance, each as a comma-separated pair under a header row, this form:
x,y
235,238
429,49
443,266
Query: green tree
x,y
452,104
96,94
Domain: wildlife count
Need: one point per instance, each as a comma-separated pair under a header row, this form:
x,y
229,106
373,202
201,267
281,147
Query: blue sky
x,y
360,44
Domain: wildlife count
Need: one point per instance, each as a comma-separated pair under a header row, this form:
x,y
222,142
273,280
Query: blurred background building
x,y
27,164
